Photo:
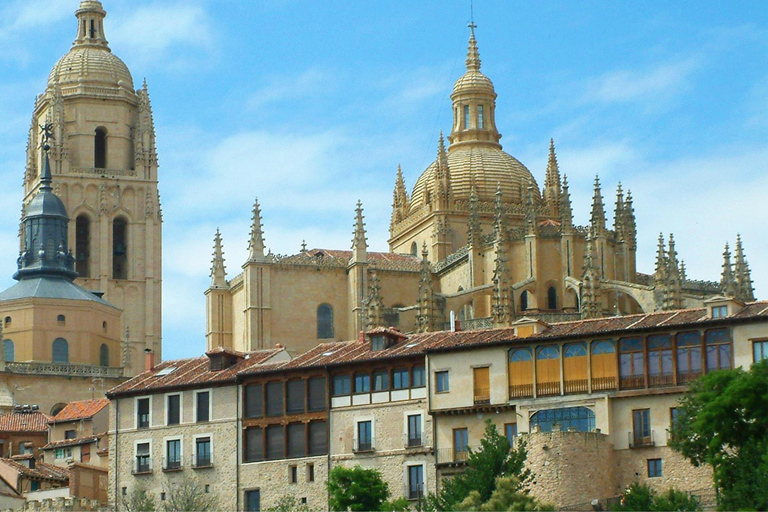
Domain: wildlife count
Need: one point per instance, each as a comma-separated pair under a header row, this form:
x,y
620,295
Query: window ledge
x,y
203,466
172,470
139,473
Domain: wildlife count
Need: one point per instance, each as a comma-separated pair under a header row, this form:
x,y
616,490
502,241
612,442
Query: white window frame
x,y
136,444
194,446
136,411
406,469
210,404
405,425
356,441
181,407
181,449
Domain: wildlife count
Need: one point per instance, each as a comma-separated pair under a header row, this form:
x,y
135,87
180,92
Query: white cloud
x,y
23,19
281,88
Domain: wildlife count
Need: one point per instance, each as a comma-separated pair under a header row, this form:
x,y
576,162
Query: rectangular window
x,y
482,385
317,394
441,381
142,413
641,427
318,438
480,117
297,440
381,380
203,451
203,406
310,472
510,431
460,444
142,458
362,383
275,442
341,385
400,378
719,311
760,350
466,117
253,500
274,399
173,454
419,380
673,412
414,430
364,436
70,434
377,343
254,445
654,468
415,482
174,409
293,474
254,401
296,398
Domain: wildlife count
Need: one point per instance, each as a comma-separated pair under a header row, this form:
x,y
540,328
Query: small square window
x,y
162,496
293,474
124,491
310,472
441,381
207,489
304,500
654,468
719,311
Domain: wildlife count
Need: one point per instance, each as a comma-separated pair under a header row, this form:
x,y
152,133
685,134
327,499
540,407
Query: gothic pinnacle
x,y
256,240
359,240
218,271
473,56
597,223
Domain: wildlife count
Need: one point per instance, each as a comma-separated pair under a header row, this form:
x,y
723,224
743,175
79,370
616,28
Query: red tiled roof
x,y
189,372
41,471
24,422
80,410
71,442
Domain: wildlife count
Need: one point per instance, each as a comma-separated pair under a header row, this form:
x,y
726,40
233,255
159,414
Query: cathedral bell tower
x,y
104,161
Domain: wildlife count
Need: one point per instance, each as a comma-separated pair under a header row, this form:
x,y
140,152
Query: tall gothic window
x,y
100,148
104,355
82,245
324,321
551,298
480,117
120,248
60,351
524,300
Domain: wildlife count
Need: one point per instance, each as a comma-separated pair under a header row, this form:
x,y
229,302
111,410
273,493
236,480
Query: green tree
x,y
723,421
287,503
188,495
356,489
508,495
642,497
493,459
138,500
399,505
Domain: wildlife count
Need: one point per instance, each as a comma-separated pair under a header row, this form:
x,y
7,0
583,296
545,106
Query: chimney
x,y
149,359
453,321
361,336
278,345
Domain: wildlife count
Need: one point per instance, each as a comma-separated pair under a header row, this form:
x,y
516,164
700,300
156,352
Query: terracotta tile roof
x,y
24,422
71,442
42,471
80,410
190,372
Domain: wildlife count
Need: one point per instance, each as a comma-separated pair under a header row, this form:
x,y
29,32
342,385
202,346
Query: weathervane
x,y
472,25
47,134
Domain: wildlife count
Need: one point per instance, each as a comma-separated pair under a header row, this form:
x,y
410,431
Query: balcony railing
x,y
521,391
603,383
663,379
452,455
363,445
171,464
482,395
576,386
37,368
548,388
638,440
199,463
689,376
414,493
142,465
413,440
632,381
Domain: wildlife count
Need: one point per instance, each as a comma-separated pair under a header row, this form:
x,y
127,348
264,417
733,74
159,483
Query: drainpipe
x,y
117,451
238,447
328,390
434,416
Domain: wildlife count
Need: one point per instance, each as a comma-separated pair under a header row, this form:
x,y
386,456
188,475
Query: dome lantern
x,y
90,24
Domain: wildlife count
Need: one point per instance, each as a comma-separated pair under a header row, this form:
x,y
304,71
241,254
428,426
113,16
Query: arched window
x,y
603,365
524,300
324,321
480,117
688,356
82,245
56,409
575,418
520,373
551,298
60,351
548,370
9,351
631,363
119,248
104,355
104,326
100,148
660,371
575,368
7,321
61,319
414,249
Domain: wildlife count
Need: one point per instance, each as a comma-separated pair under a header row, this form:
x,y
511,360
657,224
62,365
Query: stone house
x,y
24,430
79,433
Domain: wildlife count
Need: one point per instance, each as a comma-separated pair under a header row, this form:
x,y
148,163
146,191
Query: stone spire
x,y
374,303
618,214
145,150
442,183
218,271
590,284
256,239
499,217
473,56
566,211
530,211
474,231
501,295
629,224
399,199
425,322
674,298
683,275
744,289
597,220
727,281
359,240
44,251
552,182
90,24
660,273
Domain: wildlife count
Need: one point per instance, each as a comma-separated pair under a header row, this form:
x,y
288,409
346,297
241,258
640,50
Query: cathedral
x,y
477,243
88,302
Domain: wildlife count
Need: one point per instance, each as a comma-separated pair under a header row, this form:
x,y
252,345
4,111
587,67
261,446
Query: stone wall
x,y
676,471
273,480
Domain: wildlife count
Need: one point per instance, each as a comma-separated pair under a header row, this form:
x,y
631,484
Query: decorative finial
x,y
303,246
256,240
473,55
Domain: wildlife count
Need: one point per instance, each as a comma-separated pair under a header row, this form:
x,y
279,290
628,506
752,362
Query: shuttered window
x,y
275,399
174,405
318,444
297,440
254,401
296,396
482,387
275,442
317,394
254,445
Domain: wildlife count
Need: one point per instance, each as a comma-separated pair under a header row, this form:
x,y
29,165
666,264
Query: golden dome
x,y
473,82
485,165
91,64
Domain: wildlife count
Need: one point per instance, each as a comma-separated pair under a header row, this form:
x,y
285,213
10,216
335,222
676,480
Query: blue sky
x,y
312,105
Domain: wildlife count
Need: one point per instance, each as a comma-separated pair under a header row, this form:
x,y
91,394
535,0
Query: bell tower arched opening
x,y
100,148
120,248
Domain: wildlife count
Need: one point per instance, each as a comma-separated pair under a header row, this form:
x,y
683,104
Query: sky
x,y
311,105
